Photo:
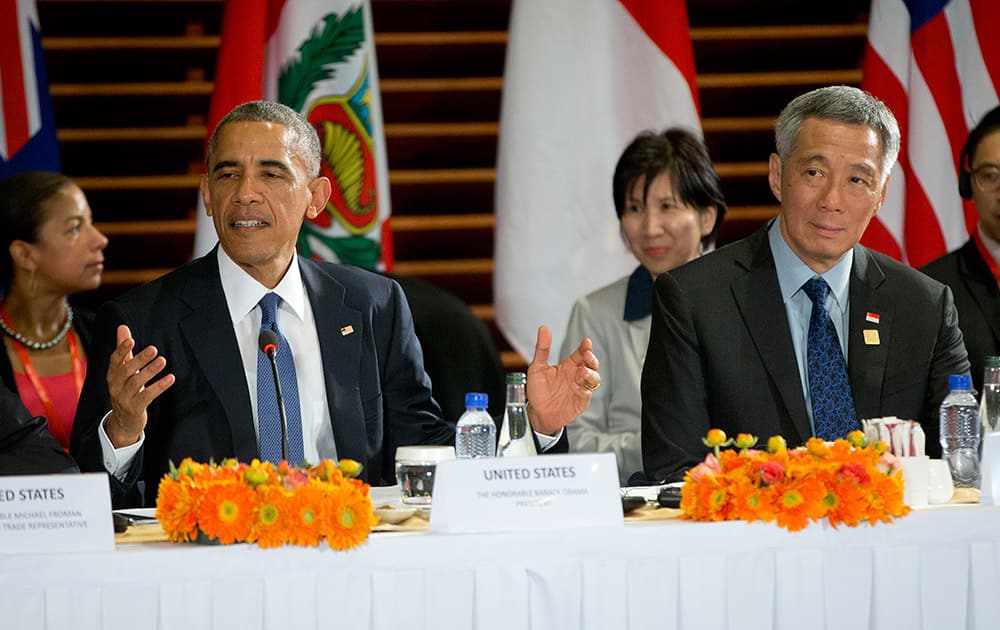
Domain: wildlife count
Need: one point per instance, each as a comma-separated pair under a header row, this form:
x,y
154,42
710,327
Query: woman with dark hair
x,y
52,250
669,205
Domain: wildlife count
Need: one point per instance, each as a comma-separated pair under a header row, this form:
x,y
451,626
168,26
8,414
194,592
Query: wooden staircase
x,y
131,83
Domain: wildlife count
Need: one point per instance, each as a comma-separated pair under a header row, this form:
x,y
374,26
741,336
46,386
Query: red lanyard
x,y
43,394
985,253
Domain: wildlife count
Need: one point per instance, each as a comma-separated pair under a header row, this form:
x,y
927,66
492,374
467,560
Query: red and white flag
x,y
27,128
317,57
936,64
582,78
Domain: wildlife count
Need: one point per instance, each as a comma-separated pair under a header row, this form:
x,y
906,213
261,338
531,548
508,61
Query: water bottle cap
x,y
959,381
991,362
516,378
475,400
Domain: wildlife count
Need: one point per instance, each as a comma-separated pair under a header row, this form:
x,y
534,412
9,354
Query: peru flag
x,y
27,129
936,64
317,57
582,78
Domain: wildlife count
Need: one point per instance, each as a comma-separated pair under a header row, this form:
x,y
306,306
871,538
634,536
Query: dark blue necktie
x,y
829,387
268,417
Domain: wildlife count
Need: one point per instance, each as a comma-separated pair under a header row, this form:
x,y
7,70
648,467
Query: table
x,y
936,568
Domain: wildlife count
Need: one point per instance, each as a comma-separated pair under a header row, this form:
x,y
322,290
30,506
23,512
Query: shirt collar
x,y
992,246
243,292
793,273
639,295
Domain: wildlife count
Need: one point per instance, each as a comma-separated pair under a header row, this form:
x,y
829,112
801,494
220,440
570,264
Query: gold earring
x,y
32,287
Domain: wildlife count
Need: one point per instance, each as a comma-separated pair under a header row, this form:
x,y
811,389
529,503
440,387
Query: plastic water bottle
x,y
475,433
989,405
961,431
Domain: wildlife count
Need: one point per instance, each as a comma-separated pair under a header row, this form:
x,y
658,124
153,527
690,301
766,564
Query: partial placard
x,y
55,513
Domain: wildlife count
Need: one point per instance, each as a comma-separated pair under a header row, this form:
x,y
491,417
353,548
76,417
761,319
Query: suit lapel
x,y
209,333
340,329
979,280
868,352
758,298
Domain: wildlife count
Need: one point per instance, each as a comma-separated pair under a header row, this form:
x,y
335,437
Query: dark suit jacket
x,y
379,396
26,446
977,299
720,353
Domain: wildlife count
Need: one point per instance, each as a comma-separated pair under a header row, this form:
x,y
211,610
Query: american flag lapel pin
x,y
872,318
346,330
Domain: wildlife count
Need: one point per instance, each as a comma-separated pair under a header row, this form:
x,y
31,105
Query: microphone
x,y
269,342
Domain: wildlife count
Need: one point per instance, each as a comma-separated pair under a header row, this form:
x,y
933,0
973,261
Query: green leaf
x,y
333,40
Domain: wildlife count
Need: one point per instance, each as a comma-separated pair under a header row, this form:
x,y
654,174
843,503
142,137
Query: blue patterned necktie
x,y
829,387
268,416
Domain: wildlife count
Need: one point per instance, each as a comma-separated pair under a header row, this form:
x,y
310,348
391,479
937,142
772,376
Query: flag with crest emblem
x,y
319,59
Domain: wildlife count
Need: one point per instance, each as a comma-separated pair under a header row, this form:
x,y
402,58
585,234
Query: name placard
x,y
50,513
526,493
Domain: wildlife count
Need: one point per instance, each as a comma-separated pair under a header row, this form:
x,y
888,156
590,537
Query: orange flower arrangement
x,y
266,504
846,481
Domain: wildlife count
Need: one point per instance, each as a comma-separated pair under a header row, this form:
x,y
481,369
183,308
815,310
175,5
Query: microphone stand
x,y
271,351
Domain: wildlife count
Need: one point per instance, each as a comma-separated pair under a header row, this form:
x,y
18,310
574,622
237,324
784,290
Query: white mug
x,y
916,471
939,485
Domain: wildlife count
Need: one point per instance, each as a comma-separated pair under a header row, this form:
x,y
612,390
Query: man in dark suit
x,y
731,331
361,388
972,272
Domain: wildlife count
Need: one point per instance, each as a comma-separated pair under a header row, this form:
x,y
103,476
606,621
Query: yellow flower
x,y
714,438
350,468
856,439
776,444
745,440
817,447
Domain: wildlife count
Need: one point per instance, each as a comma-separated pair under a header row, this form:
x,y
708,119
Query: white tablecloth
x,y
937,568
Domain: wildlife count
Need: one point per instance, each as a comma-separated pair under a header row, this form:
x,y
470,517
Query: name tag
x,y
526,493
50,513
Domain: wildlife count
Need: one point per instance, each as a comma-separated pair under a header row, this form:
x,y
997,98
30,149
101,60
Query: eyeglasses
x,y
987,178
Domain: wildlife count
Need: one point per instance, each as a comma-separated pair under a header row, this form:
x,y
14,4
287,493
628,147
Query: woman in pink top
x,y
52,250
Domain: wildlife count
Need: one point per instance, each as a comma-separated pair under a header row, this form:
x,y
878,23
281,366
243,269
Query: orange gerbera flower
x,y
177,509
226,512
349,521
304,511
846,503
271,518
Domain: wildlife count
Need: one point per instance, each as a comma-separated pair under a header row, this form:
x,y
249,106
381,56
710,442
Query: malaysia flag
x,y
936,64
27,128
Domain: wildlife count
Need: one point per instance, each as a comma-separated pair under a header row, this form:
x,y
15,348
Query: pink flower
x,y
771,472
854,472
888,463
708,467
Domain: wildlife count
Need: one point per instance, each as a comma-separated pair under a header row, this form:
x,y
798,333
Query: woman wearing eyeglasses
x,y
973,271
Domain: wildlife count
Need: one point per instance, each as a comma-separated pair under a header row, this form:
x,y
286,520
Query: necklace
x,y
37,345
